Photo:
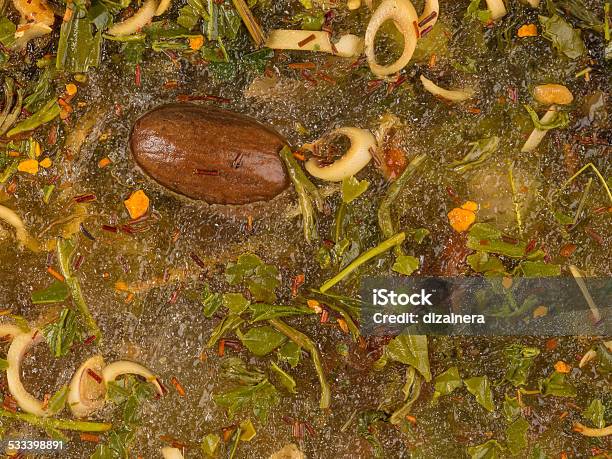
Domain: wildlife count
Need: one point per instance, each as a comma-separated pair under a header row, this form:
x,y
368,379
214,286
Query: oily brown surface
x,y
209,154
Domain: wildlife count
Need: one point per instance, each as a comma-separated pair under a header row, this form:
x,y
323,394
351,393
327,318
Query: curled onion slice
x,y
305,40
36,11
404,16
356,158
136,22
591,432
163,7
27,32
497,9
11,217
9,331
123,367
17,351
537,135
86,394
171,453
454,95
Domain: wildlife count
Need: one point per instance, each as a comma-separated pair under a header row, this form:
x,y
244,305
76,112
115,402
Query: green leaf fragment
x,y
480,387
516,435
353,188
556,385
57,292
410,350
595,413
447,381
489,450
285,378
290,353
210,443
405,264
262,340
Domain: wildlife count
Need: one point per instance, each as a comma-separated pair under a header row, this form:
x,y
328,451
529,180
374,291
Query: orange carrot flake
x,y
177,385
562,367
104,162
461,218
137,204
55,274
527,30
196,43
29,166
71,89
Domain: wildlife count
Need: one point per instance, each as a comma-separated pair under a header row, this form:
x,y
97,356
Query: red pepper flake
x,y
299,156
416,29
297,282
301,65
86,233
594,235
428,19
177,385
89,197
411,419
9,403
55,274
311,430
233,344
170,84
306,40
78,262
509,240
306,75
210,172
95,376
250,223
198,261
110,228
373,85
297,430
12,187
221,349
601,210
425,31
137,75
52,136
567,250
90,339
530,246
174,296
227,433
324,316
551,344
325,77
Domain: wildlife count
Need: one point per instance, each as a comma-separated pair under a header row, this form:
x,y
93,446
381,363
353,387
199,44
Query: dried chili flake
x,y
95,376
177,385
